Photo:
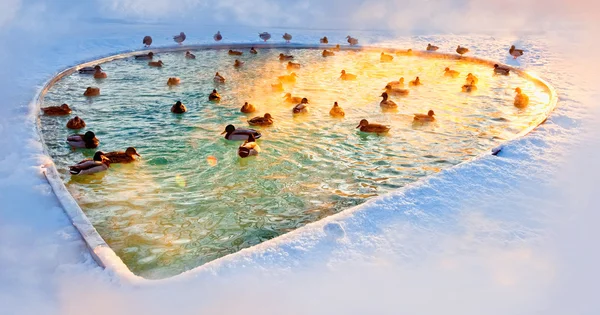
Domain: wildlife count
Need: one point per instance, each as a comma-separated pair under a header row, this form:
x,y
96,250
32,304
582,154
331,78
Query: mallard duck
x,y
521,99
351,40
283,57
100,163
336,48
327,53
365,126
336,111
501,70
301,108
472,79
386,58
219,78
238,63
292,65
91,91
396,91
214,96
277,87
347,76
292,99
290,78
415,82
234,53
155,63
515,52
324,40
432,48
217,37
264,36
178,108
89,70
147,56
387,103
61,110
467,88
99,74
122,157
253,51
239,134
287,37
189,55
76,123
179,38
462,50
84,141
425,118
147,41
451,73
248,148
265,120
173,81
248,108
399,83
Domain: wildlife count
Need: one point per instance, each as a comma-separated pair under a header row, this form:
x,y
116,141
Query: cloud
x,y
9,11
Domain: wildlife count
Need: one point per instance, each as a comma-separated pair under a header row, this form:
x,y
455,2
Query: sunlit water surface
x,y
190,199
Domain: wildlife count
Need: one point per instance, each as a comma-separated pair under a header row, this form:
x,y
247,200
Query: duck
x,y
91,91
248,108
173,81
399,83
265,120
292,65
99,163
501,70
122,157
214,96
249,147
292,99
147,56
469,87
324,40
217,37
83,141
239,134
189,55
521,99
291,78
365,126
61,110
425,117
347,76
327,53
451,73
384,57
472,79
234,53
76,123
432,48
415,82
336,111
283,57
336,48
155,63
264,36
89,70
219,78
178,108
253,51
179,38
351,40
462,50
302,107
387,103
277,87
99,74
287,37
515,52
390,90
147,41
238,63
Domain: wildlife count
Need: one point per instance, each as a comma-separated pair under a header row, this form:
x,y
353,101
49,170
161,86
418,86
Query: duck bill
x,y
138,154
224,132
357,126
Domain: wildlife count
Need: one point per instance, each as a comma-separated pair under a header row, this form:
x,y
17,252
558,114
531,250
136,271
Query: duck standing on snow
x,y
214,96
387,103
288,98
351,40
122,157
238,63
249,147
84,141
61,110
324,40
501,70
178,108
239,134
189,55
100,163
462,50
521,100
217,37
292,65
264,36
451,73
415,82
173,81
147,41
347,76
157,64
336,111
91,91
432,48
253,51
277,87
147,56
287,37
327,53
76,123
390,90
89,70
301,108
425,118
515,52
265,120
384,57
248,108
365,126
399,83
219,78
179,38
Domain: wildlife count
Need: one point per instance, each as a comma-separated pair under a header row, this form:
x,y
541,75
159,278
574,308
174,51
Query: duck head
x,y
495,66
99,156
229,129
512,47
160,62
251,138
150,54
293,74
518,90
214,91
268,116
384,95
64,107
363,122
89,136
430,113
343,72
447,69
131,151
401,80
304,100
287,95
97,68
335,104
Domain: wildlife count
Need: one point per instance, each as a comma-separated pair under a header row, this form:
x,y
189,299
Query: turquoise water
x,y
190,199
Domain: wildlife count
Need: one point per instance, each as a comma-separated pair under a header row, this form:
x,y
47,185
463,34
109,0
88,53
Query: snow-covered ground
x,y
513,234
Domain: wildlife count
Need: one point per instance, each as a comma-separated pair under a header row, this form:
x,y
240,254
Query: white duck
x,y
179,38
264,36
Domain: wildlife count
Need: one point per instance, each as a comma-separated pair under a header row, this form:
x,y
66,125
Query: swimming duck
x,y
178,108
234,53
287,37
327,53
425,118
432,48
84,141
384,57
147,41
301,108
324,40
365,126
472,79
100,163
292,65
238,63
239,134
179,38
99,74
387,103
415,82
89,70
462,50
248,108
283,57
521,100
501,70
292,99
214,96
277,87
219,78
76,123
217,37
265,120
122,157
390,90
451,73
189,55
515,52
91,91
336,111
351,40
173,81
155,63
469,87
253,51
61,110
248,148
290,78
399,83
347,76
336,48
264,36
147,56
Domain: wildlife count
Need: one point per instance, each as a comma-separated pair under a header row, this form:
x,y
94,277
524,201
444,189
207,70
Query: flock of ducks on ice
x,y
101,160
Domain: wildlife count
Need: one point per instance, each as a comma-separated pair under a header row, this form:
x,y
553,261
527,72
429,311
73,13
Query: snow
x,y
513,233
